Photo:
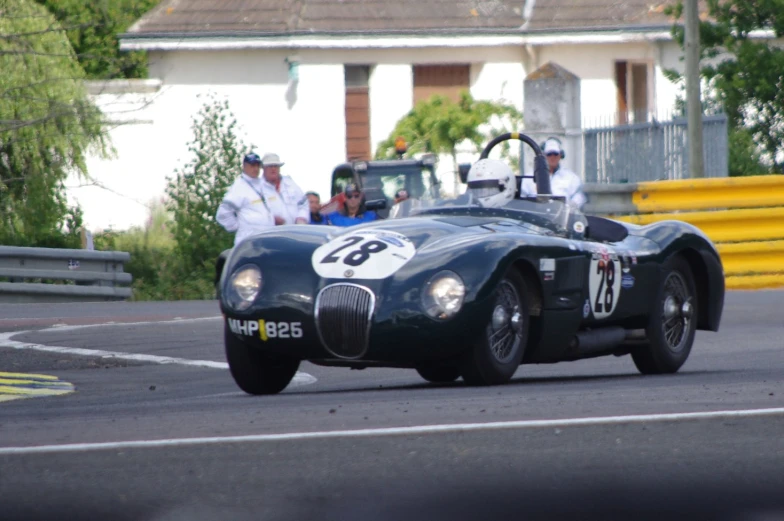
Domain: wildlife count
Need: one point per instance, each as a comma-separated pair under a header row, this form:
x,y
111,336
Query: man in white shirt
x,y
244,209
563,182
285,198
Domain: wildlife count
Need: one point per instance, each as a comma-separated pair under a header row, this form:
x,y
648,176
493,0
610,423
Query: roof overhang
x,y
221,42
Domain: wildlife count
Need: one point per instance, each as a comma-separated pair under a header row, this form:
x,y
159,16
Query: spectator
x,y
314,201
244,209
353,211
563,181
284,197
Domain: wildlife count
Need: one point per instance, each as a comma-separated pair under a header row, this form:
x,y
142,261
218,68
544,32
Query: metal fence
x,y
654,151
62,275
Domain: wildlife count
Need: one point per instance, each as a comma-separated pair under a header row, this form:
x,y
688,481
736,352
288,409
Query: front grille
x,y
343,314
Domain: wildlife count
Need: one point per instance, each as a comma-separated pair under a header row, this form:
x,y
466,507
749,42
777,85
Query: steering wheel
x,y
541,171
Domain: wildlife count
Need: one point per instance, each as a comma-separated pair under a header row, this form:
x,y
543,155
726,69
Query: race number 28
x,y
605,296
363,254
356,257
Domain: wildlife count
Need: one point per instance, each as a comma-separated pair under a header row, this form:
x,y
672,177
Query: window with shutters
x,y
357,112
446,80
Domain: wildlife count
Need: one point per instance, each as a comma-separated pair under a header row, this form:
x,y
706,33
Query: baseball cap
x,y
252,158
351,188
271,160
551,145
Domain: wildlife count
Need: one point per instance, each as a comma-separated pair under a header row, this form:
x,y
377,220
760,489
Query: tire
x,y
673,325
489,363
439,373
256,372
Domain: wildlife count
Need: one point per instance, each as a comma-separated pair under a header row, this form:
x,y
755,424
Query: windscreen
x,y
549,212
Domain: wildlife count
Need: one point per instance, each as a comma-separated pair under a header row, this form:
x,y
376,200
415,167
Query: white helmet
x,y
491,182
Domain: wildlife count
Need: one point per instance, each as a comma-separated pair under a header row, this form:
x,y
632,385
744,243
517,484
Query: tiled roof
x,y
265,17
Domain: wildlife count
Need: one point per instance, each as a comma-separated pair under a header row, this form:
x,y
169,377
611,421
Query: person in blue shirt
x,y
353,211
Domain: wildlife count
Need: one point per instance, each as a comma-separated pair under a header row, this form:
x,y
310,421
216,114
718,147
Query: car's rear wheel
x,y
256,372
442,372
496,354
673,324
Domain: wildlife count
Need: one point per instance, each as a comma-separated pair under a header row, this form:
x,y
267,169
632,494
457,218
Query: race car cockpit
x,y
495,191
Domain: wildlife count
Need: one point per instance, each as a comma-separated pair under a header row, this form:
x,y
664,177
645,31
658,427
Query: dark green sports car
x,y
452,289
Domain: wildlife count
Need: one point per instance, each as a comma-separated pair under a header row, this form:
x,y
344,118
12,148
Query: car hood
x,y
428,232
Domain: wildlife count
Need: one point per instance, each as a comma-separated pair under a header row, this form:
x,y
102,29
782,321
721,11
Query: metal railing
x,y
653,151
62,275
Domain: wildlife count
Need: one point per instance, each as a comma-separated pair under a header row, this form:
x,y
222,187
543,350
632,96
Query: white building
x,y
320,81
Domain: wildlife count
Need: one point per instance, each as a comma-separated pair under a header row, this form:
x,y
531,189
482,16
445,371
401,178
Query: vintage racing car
x,y
460,288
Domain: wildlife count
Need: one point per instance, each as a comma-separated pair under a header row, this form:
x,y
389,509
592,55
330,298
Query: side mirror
x,y
463,169
376,204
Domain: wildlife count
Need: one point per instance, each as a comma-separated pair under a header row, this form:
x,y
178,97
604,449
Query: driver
x,y
491,183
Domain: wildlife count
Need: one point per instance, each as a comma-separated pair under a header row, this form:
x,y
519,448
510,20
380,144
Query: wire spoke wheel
x,y
676,313
672,323
498,348
502,337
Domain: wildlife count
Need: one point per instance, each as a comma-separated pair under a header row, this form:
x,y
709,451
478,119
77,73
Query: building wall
x,y
304,122
594,65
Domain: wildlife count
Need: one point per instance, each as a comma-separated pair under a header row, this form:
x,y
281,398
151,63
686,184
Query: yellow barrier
x,y
725,226
746,221
705,194
752,257
755,282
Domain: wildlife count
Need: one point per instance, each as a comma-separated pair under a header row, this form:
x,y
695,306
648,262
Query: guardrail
x,y
62,275
744,216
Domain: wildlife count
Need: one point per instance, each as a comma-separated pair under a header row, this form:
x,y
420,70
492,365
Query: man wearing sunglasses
x,y
563,181
353,211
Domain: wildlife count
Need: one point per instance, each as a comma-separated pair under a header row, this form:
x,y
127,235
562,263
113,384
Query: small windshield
x,y
548,212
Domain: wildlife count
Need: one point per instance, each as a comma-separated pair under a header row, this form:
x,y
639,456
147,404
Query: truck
x,y
380,180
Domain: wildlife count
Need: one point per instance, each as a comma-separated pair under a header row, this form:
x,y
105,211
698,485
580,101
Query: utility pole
x,y
693,97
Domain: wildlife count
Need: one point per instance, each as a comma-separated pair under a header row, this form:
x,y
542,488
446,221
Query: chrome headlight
x,y
443,295
246,284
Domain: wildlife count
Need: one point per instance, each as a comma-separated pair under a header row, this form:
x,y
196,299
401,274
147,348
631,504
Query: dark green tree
x,y
93,27
47,127
744,67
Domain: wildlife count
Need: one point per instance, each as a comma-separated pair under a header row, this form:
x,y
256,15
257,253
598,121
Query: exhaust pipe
x,y
602,339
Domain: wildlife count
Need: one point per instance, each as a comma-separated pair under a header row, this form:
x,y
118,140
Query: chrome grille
x,y
343,314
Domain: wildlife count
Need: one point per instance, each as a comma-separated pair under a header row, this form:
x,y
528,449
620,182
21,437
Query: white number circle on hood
x,y
364,254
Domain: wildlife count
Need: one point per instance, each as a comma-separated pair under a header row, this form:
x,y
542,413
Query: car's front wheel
x,y
673,323
496,354
440,373
256,372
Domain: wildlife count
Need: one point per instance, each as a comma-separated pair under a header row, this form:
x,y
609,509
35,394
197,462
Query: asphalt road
x,y
201,449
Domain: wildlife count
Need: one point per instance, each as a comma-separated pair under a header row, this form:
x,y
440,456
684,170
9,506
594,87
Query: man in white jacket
x,y
285,198
244,209
563,182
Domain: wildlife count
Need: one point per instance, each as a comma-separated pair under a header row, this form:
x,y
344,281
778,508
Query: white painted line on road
x,y
299,379
65,327
416,430
5,341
